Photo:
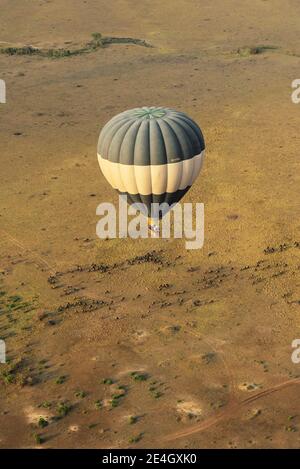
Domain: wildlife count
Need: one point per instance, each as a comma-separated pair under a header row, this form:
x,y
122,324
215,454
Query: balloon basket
x,y
154,229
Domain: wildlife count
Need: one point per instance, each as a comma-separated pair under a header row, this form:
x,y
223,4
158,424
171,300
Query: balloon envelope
x,y
151,154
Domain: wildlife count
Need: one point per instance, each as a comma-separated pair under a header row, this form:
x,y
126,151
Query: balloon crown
x,y
150,112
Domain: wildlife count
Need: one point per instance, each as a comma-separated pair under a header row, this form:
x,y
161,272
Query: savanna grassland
x,y
141,343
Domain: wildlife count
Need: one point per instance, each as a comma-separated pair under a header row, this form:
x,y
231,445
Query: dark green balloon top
x,y
150,136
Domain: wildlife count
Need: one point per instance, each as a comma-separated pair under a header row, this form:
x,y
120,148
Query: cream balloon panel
x,y
155,179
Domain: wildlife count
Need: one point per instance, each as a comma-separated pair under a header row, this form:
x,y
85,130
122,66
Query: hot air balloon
x,y
151,154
